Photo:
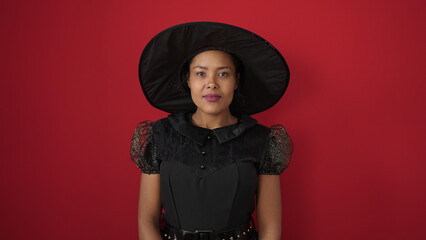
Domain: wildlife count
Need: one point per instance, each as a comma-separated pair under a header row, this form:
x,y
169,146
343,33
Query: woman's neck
x,y
212,121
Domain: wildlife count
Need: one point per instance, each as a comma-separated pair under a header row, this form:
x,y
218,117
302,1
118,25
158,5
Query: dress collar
x,y
180,122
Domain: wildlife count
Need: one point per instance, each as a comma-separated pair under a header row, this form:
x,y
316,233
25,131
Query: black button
x,y
203,153
209,137
202,167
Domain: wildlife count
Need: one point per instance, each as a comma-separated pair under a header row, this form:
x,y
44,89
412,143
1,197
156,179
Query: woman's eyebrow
x,y
202,67
224,67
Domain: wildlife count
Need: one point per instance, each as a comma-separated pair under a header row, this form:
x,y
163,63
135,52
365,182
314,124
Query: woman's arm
x,y
149,207
268,207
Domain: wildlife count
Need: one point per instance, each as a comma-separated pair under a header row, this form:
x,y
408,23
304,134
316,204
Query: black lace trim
x,y
278,151
143,150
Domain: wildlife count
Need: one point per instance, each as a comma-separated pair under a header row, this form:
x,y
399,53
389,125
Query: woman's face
x,y
212,81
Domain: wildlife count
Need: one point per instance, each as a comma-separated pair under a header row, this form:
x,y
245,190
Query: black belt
x,y
244,232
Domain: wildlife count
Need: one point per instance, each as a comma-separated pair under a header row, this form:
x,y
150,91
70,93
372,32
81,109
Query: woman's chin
x,y
213,110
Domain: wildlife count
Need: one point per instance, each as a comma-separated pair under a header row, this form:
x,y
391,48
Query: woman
x,y
209,164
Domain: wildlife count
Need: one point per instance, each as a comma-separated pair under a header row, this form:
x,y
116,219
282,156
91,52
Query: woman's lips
x,y
211,97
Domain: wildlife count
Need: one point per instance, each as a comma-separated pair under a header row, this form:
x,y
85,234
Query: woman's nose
x,y
211,82
211,85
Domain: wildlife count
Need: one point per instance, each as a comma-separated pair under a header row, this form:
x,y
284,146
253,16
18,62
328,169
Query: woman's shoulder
x,y
274,128
149,124
144,125
279,148
142,149
277,133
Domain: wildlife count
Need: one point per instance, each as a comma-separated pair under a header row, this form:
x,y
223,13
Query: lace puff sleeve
x,y
279,148
142,149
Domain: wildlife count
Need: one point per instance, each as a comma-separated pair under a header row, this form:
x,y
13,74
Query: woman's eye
x,y
223,74
200,73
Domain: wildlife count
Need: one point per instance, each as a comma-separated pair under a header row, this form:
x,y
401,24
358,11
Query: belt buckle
x,y
204,234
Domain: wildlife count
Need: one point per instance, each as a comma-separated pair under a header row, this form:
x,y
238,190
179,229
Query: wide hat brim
x,y
265,75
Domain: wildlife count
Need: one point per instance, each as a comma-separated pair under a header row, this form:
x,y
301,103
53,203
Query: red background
x,y
355,109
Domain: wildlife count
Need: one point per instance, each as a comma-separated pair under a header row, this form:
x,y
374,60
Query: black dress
x,y
208,178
